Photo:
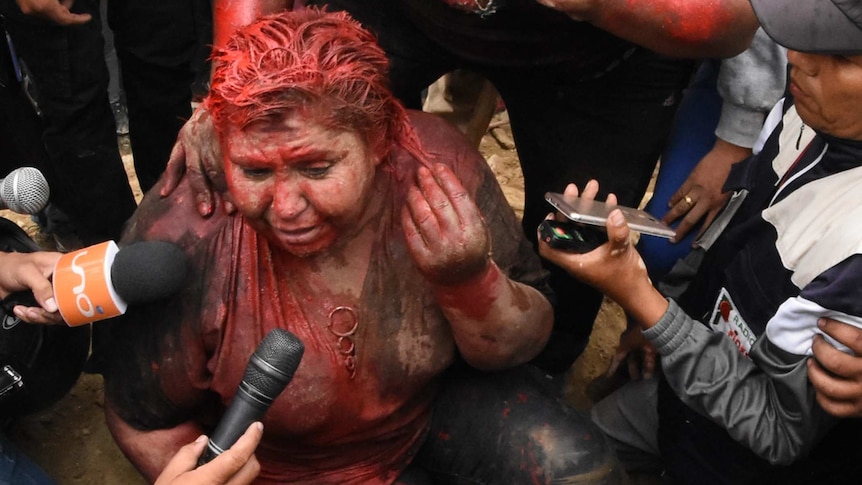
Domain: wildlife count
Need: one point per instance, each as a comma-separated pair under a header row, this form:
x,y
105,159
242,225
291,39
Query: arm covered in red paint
x,y
496,322
228,15
682,28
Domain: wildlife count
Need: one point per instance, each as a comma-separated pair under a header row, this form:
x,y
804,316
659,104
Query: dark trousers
x,y
509,427
87,180
569,126
162,47
158,100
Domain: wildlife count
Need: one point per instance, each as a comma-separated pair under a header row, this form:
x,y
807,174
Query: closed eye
x,y
256,173
316,170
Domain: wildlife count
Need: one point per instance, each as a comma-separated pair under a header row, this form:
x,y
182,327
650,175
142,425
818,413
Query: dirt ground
x,y
71,442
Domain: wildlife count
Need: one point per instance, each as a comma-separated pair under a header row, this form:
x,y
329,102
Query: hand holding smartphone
x,y
569,237
593,212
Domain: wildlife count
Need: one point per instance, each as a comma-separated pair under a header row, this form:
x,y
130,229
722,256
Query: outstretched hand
x,y
56,11
236,466
614,268
197,155
700,198
31,272
836,375
637,352
444,229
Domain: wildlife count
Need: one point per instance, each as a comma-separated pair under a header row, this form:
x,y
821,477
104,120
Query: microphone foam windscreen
x,y
25,190
274,362
148,271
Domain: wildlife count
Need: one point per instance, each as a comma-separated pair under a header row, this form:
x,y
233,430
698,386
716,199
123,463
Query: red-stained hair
x,y
310,61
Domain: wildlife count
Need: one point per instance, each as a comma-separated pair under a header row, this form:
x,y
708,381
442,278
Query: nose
x,y
289,199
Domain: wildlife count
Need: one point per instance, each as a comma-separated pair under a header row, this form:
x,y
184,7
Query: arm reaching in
x,y
197,154
496,322
837,375
31,271
763,401
235,466
615,268
700,196
680,28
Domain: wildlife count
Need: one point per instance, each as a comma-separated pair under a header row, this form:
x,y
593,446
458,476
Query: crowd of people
x,y
311,195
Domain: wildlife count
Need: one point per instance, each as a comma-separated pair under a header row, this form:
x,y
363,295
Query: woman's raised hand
x,y
445,232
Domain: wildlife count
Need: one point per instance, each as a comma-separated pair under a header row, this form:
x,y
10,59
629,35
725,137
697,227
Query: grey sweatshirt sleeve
x,y
750,84
765,402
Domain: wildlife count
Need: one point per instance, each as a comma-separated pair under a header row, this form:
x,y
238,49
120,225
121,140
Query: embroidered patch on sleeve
x,y
726,319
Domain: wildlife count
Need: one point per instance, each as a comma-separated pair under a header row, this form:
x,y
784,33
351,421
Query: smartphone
x,y
10,381
569,236
596,213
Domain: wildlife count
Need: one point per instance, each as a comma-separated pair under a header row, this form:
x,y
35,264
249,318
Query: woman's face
x,y
299,183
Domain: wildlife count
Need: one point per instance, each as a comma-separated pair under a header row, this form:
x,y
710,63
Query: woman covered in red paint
x,y
382,240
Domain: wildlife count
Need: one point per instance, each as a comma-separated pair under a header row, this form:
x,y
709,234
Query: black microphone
x,y
24,191
269,370
100,281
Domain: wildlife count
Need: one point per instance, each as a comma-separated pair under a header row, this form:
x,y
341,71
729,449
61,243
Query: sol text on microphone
x,y
269,370
99,282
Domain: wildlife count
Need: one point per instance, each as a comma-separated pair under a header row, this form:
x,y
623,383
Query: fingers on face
x,y
441,205
422,218
446,197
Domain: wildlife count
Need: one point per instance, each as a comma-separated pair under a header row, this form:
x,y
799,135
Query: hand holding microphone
x,y
269,370
100,281
29,272
236,466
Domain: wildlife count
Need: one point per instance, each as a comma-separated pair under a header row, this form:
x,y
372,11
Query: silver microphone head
x,y
24,191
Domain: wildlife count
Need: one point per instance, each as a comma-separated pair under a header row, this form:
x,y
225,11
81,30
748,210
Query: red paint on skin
x,y
475,297
690,22
228,15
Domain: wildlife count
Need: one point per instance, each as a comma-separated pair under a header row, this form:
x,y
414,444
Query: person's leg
x,y
415,61
158,100
692,137
464,99
629,419
158,48
115,91
611,129
68,66
20,126
511,427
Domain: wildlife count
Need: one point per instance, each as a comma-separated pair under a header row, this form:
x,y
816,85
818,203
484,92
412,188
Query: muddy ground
x,y
70,439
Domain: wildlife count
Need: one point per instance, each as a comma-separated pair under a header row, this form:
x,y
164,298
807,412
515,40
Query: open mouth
x,y
300,236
